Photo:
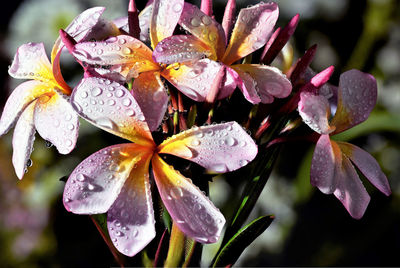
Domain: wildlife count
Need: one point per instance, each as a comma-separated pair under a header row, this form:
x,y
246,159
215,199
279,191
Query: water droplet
x,y
126,50
206,20
195,22
200,134
118,233
242,143
195,142
130,112
220,168
99,51
67,200
177,7
243,162
96,91
119,93
68,143
126,101
159,49
71,127
121,41
84,94
135,233
176,192
213,239
230,141
80,177
90,187
111,102
29,163
48,144
105,122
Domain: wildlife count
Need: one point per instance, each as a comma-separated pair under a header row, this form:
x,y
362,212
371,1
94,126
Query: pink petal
x,y
194,214
79,27
229,17
63,86
326,161
121,50
230,84
180,48
206,7
204,28
31,62
102,30
357,96
19,99
350,191
247,85
253,27
164,18
57,122
130,220
148,90
193,79
96,182
367,165
110,106
268,81
23,138
315,112
219,148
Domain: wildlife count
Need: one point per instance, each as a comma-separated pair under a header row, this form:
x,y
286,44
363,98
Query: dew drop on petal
x,y
90,187
130,112
219,168
119,93
126,50
84,94
80,177
195,22
176,192
126,102
230,141
96,91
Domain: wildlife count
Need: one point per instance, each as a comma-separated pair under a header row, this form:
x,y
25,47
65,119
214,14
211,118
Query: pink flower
x,y
254,26
116,179
332,169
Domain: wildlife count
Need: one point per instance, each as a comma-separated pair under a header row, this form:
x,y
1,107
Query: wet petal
x,y
268,81
120,50
148,90
164,18
110,106
62,85
130,220
219,148
204,28
22,95
230,84
357,96
247,85
31,62
193,79
194,214
315,112
23,138
57,122
350,191
253,27
180,48
367,165
96,182
79,27
326,161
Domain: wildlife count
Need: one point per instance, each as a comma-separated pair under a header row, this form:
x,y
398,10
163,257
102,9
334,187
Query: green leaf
x,y
231,252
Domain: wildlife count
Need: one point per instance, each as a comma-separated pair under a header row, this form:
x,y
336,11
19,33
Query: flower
x,y
42,104
254,25
332,169
128,58
116,179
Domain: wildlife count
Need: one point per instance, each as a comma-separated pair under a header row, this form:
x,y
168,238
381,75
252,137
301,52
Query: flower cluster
x,y
135,70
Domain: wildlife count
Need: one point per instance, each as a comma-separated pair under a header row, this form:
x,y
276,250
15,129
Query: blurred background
x,y
310,229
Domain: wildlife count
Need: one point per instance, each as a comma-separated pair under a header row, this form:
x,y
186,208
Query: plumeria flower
x,y
254,25
116,179
332,169
39,104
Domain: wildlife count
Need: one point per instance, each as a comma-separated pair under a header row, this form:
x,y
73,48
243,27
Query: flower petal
x,y
62,85
23,138
357,96
110,106
57,122
193,79
96,182
219,148
180,48
130,220
31,62
22,95
247,85
326,161
253,27
367,165
204,28
149,91
315,112
194,214
350,191
120,50
79,27
269,81
164,18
